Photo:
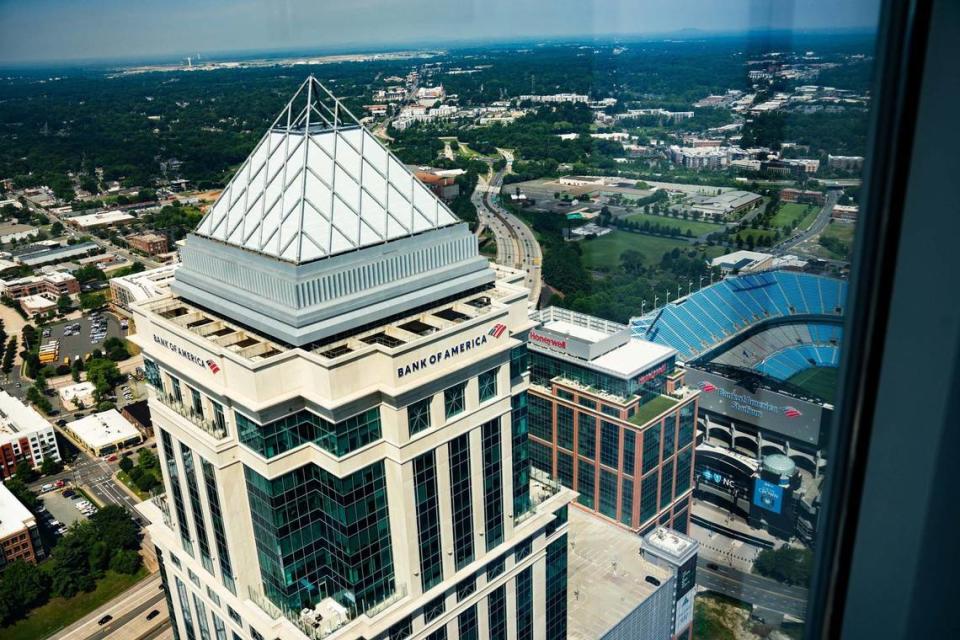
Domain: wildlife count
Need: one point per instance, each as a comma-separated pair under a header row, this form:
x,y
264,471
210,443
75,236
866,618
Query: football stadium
x,y
764,349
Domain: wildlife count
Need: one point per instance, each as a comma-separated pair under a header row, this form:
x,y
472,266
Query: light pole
x,y
643,303
689,287
701,281
679,290
655,298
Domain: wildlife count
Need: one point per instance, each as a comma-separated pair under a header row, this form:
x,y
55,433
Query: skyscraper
x,y
340,398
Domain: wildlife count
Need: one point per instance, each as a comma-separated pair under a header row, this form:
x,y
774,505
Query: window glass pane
x,y
453,400
488,384
418,415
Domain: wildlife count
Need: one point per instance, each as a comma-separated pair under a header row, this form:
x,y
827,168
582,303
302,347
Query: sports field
x,y
820,381
604,252
695,227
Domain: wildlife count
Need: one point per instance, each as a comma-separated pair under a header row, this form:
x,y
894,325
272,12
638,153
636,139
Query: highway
x,y
517,247
752,589
819,224
129,612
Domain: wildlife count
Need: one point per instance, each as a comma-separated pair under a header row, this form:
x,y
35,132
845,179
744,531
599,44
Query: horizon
x,y
58,32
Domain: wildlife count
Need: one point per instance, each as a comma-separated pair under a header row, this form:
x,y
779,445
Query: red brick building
x,y
149,243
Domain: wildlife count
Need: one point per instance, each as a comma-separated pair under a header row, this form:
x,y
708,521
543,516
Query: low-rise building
x,y
76,396
19,536
137,287
804,197
676,553
742,261
725,205
24,435
38,304
845,212
149,243
38,255
56,284
845,163
100,220
11,231
104,433
138,413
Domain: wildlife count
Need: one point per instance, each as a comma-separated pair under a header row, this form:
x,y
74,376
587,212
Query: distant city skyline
x,y
61,30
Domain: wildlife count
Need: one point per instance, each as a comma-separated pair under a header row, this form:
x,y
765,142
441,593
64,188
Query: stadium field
x,y
820,381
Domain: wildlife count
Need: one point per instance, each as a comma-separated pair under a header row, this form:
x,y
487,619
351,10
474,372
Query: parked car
x,y
46,487
67,493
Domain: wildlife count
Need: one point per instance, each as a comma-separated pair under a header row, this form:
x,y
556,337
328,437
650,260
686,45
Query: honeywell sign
x,y
763,408
548,341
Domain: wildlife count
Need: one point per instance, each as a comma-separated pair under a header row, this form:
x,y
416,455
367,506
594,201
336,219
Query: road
x,y
819,224
129,611
517,247
752,589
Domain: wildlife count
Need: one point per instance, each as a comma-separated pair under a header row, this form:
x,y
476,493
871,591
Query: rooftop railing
x,y
196,417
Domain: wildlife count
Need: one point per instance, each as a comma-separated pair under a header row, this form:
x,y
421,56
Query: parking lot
x,y
62,509
80,344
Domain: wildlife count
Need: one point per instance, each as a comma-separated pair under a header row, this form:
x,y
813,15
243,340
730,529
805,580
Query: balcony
x,y
160,502
196,417
542,488
327,617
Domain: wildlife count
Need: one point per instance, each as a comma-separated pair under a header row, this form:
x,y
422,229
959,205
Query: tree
x,y
70,562
147,459
104,375
126,463
116,349
25,471
56,228
126,561
92,300
64,303
49,467
22,588
786,564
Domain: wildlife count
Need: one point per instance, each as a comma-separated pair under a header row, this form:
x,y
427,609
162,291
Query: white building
x,y
77,395
24,435
19,536
557,97
742,261
104,433
100,219
141,286
341,410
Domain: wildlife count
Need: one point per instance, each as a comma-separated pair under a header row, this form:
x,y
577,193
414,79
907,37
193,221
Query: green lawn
x,y
652,408
801,215
842,231
604,252
820,381
696,228
125,479
61,612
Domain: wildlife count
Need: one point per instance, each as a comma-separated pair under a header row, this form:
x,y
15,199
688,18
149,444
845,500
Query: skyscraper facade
x,y
340,399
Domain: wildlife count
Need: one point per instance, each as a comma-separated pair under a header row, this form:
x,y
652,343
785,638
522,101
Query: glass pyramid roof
x,y
319,184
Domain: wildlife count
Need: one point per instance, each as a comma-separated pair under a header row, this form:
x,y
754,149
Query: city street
x,y
819,224
752,589
129,612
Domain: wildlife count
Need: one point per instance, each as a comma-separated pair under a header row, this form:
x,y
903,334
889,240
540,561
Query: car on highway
x,y
104,620
153,614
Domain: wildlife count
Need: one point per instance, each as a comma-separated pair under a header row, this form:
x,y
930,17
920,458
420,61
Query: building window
x,y
587,435
219,420
467,624
183,525
497,613
564,394
565,427
610,410
234,615
683,470
214,598
687,425
669,435
185,609
461,500
648,497
584,401
418,415
196,402
201,618
609,444
466,587
152,373
318,535
608,493
453,400
521,453
519,361
304,427
400,630
193,488
522,550
626,502
541,456
540,415
428,520
557,589
585,483
435,608
651,447
492,484
565,469
496,567
219,533
175,390
524,588
560,519
629,450
488,384
666,484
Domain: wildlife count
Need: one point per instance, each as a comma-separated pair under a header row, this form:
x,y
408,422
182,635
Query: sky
x,y
64,30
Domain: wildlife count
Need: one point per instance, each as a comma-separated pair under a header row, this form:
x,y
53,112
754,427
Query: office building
x,y
19,536
339,395
54,284
148,243
611,418
24,435
137,287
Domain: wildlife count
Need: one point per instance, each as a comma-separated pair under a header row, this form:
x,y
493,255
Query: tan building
x,y
341,412
149,243
53,284
19,536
